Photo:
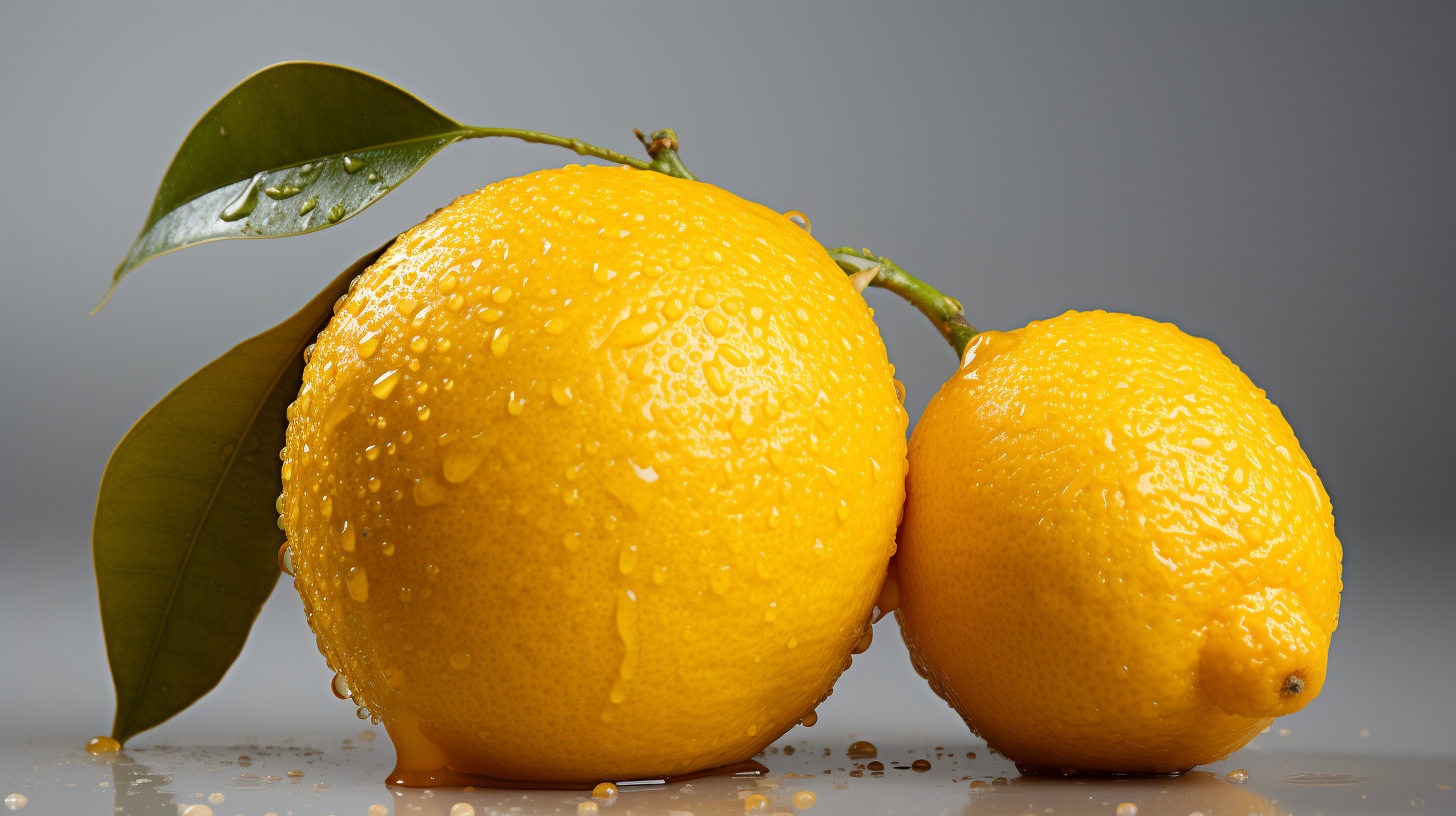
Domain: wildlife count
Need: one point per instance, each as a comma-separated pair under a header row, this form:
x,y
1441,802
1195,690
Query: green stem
x,y
944,311
661,146
581,148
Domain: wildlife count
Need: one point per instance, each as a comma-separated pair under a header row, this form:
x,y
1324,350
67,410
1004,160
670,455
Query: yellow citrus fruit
x,y
1115,556
593,476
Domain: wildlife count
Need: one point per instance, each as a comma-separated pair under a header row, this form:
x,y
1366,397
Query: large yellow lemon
x,y
593,476
1115,556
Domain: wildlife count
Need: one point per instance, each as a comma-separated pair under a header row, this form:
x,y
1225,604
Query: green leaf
x,y
297,147
186,535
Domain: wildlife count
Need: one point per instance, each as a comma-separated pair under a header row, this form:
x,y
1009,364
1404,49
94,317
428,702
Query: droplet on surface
x,y
802,222
863,749
586,808
336,213
500,342
809,719
296,774
460,660
242,206
358,583
1238,776
462,809
285,563
605,791
197,810
384,386
308,205
102,745
378,810
15,801
803,800
353,164
216,798
1127,809
920,765
340,687
755,803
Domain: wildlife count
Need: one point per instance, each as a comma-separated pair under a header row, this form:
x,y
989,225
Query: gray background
x,y
1277,177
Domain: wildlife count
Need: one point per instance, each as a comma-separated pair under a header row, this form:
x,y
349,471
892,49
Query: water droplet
x,y
282,192
659,575
308,205
706,299
336,213
571,541
196,810
587,809
1237,776
428,492
340,687
899,391
501,294
374,177
383,386
100,745
561,394
460,463
516,405
358,583
242,206
361,712
353,164
499,342
295,774
920,765
605,790
326,506
367,345
555,326
16,801
863,749
716,324
755,803
627,630
1124,809
423,412
285,559
637,330
627,560
800,220
803,800
602,275
808,720
376,810
460,660
716,381
864,641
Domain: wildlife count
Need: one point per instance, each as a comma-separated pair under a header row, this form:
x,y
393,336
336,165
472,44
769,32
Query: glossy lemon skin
x,y
1114,552
594,476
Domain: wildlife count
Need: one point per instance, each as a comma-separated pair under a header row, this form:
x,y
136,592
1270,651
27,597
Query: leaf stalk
x,y
943,310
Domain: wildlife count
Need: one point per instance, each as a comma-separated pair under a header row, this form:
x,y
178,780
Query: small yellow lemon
x,y
1115,556
593,476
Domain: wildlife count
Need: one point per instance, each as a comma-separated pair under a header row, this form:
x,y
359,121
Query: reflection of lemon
x,y
594,475
1115,555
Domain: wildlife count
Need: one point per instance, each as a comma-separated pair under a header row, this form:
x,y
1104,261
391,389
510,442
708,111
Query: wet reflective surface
x,y
303,776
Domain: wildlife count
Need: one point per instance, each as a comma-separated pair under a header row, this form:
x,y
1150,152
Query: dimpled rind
x,y
1114,550
594,475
